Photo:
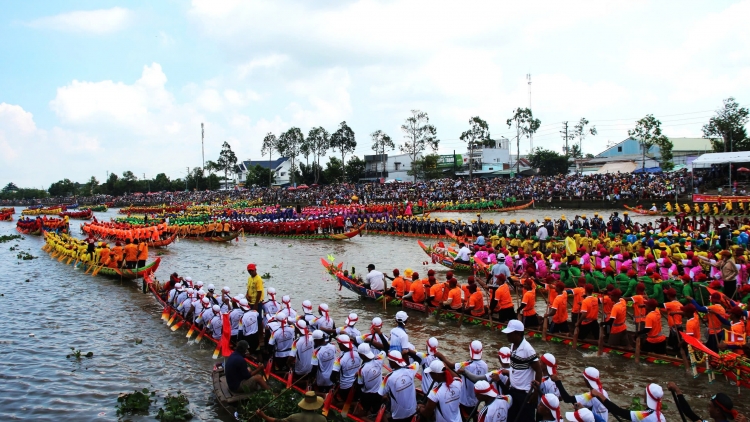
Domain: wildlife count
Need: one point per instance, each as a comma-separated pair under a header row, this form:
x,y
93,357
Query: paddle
x,y
381,413
327,402
677,404
638,349
546,323
348,403
602,331
575,332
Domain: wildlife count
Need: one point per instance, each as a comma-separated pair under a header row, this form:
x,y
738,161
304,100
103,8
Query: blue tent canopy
x,y
648,170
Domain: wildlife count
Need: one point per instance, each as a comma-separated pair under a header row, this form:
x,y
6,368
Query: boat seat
x,y
223,393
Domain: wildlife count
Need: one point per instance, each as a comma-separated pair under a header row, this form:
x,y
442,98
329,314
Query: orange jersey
x,y
619,313
673,306
639,312
529,299
578,293
455,297
131,252
503,298
653,323
560,305
476,303
589,310
607,304
551,293
714,324
736,336
436,292
399,286
417,290
693,328
142,251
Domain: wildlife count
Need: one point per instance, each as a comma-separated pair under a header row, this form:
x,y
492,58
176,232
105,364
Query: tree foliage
x,y
343,140
320,142
548,162
477,134
580,132
227,161
63,188
381,143
270,144
259,176
355,169
289,145
526,125
426,168
10,187
420,135
729,127
333,171
648,133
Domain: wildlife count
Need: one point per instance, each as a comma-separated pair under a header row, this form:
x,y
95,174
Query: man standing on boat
x,y
374,280
525,369
254,287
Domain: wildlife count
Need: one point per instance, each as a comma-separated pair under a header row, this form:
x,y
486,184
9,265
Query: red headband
x,y
491,388
658,402
549,406
598,381
578,416
724,409
548,363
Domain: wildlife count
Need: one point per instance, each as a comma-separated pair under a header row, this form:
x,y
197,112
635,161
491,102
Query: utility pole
x,y
531,135
186,177
203,151
471,157
564,133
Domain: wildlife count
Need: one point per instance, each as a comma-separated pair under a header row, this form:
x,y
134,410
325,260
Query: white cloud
x,y
272,61
99,22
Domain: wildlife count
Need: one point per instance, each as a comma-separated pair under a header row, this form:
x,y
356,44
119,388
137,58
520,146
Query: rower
x,y
398,285
453,300
720,406
323,358
374,280
375,337
616,319
581,415
238,377
496,405
281,340
548,409
588,400
271,306
208,312
399,387
502,302
235,317
427,357
399,337
476,366
655,341
476,301
653,413
302,348
558,310
286,305
464,255
172,295
370,377
589,315
346,367
444,397
186,306
142,253
417,291
211,295
248,330
201,306
131,254
527,310
324,322
349,329
225,300
307,314
549,369
216,323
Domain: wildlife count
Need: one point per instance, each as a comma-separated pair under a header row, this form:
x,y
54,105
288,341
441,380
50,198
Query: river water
x,y
51,307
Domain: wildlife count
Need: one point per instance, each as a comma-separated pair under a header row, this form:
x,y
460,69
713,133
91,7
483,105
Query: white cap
x,y
435,366
654,393
377,322
190,290
364,350
271,291
290,320
323,307
237,298
225,289
201,292
475,349
721,226
198,283
205,300
580,415
401,316
395,357
286,299
216,308
513,325
178,286
211,287
432,345
550,362
352,319
188,279
591,375
281,315
343,338
501,256
484,387
306,304
301,324
504,355
243,303
318,335
551,402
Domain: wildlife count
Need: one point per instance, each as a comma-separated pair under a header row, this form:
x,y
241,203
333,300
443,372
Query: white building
x,y
493,155
388,167
280,167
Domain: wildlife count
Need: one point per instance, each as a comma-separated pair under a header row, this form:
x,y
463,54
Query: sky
x,y
91,87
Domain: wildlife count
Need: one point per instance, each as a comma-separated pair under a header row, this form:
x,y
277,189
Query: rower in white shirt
x,y
374,280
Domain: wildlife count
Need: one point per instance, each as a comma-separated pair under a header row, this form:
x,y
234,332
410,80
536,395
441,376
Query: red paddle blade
x,y
381,413
289,378
327,403
269,366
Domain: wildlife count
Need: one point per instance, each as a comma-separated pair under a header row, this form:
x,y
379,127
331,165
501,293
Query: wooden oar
x,y
190,331
575,332
545,325
602,330
165,313
638,349
200,335
348,403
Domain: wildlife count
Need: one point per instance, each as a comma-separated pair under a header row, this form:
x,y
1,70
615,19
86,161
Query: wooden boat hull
x,y
444,260
216,239
504,209
126,273
402,234
329,236
162,242
642,211
6,217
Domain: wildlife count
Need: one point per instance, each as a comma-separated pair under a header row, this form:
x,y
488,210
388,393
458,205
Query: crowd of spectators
x,y
594,187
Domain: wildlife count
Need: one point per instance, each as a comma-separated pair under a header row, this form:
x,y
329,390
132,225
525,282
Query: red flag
x,y
697,344
226,333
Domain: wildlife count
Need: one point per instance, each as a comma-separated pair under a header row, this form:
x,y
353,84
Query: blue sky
x,y
88,87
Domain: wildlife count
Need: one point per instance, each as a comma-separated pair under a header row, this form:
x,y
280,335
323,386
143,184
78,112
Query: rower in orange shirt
x,y
117,255
476,301
435,292
672,309
589,315
693,324
558,310
502,303
616,319
639,305
578,293
735,338
131,254
104,255
656,342
398,285
142,253
416,293
453,299
527,309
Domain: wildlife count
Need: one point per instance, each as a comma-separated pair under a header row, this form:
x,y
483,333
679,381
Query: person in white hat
x,y
180,296
211,295
592,382
525,369
548,409
427,357
208,312
346,367
172,295
375,338
249,330
225,299
370,378
581,415
324,322
399,386
496,405
349,329
286,305
216,323
399,340
186,306
307,312
323,358
549,369
281,340
475,366
235,317
271,306
443,396
654,394
302,348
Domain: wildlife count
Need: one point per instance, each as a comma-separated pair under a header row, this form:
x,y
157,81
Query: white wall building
x,y
280,167
396,167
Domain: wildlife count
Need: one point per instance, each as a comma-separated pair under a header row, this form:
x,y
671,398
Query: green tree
x,y
289,144
580,132
320,143
90,186
420,135
526,125
575,151
259,176
355,169
63,188
647,132
548,162
270,144
729,126
10,187
343,140
211,168
161,181
333,171
478,133
227,161
381,143
426,168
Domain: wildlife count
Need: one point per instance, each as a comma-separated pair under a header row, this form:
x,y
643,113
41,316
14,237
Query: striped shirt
x,y
521,359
